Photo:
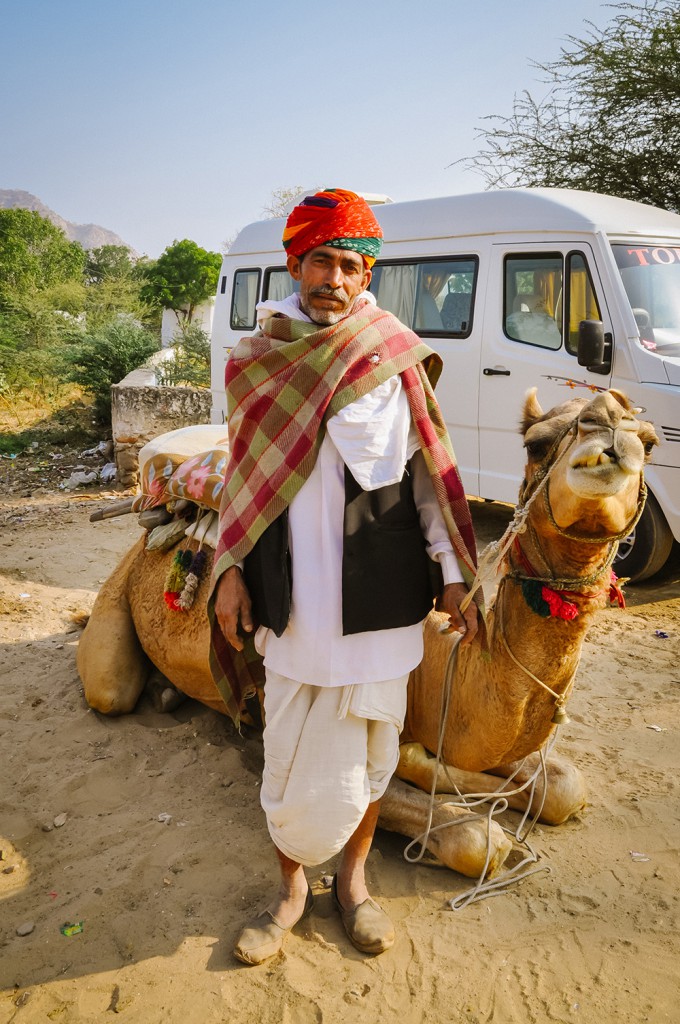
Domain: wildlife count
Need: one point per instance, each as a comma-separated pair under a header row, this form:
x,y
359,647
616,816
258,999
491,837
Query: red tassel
x,y
615,592
559,608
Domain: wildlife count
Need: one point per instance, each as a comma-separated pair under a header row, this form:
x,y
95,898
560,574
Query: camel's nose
x,y
605,411
601,412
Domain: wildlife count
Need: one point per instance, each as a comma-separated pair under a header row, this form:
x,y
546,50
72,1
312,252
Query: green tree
x,y
114,283
40,317
182,278
111,297
611,120
34,253
109,262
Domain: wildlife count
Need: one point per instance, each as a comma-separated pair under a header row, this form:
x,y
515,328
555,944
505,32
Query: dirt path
x,y
595,941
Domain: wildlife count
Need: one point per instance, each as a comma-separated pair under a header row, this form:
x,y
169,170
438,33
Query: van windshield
x,y
651,277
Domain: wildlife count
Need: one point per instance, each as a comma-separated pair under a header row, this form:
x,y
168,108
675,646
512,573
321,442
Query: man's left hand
x,y
460,622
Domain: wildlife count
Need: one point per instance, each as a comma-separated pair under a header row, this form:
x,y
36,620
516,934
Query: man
x,y
341,475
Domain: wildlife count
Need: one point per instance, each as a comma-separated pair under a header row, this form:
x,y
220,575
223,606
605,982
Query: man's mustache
x,y
326,290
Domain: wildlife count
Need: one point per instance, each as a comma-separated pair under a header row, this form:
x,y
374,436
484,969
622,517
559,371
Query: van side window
x,y
582,301
278,284
533,299
244,299
429,296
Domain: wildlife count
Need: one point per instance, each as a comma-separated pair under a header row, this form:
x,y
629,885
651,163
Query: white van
x,y
498,283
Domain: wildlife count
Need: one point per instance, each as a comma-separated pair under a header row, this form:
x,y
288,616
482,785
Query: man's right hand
x,y
232,603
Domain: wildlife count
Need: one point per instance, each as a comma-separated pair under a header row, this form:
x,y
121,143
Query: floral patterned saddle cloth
x,y
186,463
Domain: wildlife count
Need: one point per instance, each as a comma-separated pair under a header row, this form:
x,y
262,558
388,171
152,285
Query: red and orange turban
x,y
333,217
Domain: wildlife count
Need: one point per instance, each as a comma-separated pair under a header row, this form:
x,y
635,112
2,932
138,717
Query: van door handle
x,y
490,371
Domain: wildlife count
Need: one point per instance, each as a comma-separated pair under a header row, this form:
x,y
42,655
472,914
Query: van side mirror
x,y
590,343
595,348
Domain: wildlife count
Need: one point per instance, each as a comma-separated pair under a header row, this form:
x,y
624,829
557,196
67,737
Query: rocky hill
x,y
90,236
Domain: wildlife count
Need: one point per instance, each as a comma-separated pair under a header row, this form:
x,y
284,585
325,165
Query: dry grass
x,y
40,416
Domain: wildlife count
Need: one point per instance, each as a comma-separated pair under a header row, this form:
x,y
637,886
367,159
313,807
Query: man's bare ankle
x,y
294,885
351,887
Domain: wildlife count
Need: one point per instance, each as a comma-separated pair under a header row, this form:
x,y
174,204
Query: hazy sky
x,y
177,119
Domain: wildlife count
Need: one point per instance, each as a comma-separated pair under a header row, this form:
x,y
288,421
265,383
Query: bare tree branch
x,y
610,121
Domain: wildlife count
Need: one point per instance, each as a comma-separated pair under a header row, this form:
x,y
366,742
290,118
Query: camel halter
x,y
494,554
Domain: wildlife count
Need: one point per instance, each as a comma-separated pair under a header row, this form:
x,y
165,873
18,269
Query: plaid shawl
x,y
282,386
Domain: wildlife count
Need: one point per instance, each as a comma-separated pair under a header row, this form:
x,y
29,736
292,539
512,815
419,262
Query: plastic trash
x,y
80,479
100,449
68,929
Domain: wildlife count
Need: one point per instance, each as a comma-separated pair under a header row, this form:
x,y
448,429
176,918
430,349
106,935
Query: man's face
x,y
330,280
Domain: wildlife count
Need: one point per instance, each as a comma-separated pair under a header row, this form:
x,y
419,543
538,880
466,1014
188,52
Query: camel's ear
x,y
532,411
621,399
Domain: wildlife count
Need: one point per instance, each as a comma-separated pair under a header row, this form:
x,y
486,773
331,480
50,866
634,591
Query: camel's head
x,y
595,481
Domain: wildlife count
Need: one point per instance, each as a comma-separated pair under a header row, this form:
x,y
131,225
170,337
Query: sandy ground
x,y
595,940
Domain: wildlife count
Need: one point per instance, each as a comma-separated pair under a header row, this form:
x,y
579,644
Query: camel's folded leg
x,y
461,847
566,790
110,659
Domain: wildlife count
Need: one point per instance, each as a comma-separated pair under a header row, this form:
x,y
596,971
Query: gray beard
x,y
325,317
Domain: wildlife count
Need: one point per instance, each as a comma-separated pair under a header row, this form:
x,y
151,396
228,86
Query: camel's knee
x,y
565,788
111,662
459,839
566,794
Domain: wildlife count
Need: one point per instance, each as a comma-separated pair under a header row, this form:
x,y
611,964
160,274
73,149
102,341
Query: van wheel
x,y
645,551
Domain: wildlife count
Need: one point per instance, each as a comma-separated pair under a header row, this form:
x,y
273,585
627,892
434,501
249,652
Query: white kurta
x,y
373,434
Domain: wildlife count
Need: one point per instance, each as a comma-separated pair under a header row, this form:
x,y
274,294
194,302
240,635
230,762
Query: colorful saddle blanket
x,y
186,463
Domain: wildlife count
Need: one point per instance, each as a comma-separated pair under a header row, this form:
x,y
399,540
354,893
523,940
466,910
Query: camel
x,y
504,694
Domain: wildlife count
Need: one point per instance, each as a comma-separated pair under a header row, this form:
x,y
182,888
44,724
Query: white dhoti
x,y
329,752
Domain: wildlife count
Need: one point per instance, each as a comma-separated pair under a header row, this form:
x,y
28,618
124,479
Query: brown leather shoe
x,y
368,927
263,937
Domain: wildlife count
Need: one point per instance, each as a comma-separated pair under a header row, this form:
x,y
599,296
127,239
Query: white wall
x,y
203,316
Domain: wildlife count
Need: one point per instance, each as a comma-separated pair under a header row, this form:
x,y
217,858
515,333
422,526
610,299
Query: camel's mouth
x,y
598,473
595,468
594,460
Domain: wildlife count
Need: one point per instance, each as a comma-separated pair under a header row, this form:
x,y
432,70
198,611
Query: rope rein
x,y
497,803
560,698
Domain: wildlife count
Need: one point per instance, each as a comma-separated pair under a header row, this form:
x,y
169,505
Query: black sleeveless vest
x,y
388,579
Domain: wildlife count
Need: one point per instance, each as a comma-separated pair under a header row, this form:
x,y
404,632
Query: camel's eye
x,y
535,449
649,447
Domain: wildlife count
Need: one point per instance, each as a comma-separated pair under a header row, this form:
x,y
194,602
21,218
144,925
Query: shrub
x,y
106,355
190,364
